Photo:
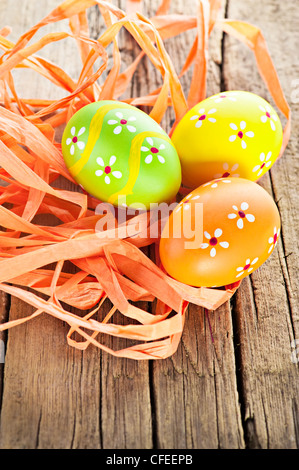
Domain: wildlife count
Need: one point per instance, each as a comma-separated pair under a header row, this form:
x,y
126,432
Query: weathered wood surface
x,y
231,383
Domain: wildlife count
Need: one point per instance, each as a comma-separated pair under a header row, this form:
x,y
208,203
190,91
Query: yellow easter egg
x,y
231,134
220,233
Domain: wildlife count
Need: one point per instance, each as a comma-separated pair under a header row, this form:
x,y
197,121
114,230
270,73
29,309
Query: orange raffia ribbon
x,y
113,265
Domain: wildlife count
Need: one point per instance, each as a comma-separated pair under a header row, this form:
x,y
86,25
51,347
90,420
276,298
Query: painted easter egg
x,y
231,134
220,233
120,155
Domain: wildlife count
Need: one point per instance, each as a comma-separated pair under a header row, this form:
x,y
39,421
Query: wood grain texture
x,y
265,307
199,381
44,403
231,383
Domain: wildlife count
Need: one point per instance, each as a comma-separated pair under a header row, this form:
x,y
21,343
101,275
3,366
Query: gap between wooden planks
x,y
234,388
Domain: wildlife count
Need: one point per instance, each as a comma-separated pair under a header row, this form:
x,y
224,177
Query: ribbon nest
x,y
34,256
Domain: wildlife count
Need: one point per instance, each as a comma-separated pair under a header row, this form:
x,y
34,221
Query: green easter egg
x,y
120,155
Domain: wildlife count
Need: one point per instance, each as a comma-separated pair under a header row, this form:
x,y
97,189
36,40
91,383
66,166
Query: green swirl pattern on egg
x,y
120,155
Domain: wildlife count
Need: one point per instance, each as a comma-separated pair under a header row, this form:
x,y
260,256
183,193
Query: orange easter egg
x,y
220,233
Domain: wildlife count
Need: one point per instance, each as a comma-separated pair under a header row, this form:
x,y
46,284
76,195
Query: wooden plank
x,y
126,412
44,403
265,307
195,391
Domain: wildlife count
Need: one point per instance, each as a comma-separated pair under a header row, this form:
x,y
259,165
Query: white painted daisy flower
x,y
73,141
268,116
228,171
273,240
247,268
122,123
107,170
241,134
202,116
214,183
153,151
185,203
240,215
230,96
213,242
265,163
